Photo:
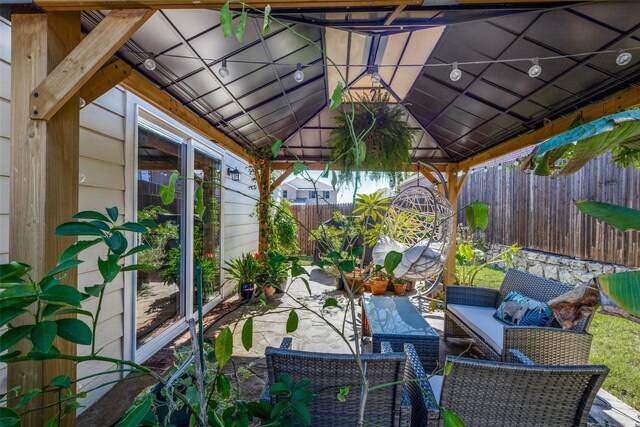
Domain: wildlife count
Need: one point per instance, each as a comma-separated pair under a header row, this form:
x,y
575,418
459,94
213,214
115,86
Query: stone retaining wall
x,y
563,269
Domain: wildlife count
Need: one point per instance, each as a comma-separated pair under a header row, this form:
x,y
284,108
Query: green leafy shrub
x,y
283,230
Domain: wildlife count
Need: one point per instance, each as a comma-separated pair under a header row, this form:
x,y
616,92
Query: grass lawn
x,y
616,343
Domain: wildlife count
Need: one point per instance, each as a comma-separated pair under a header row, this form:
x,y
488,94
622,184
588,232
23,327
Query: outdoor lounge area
x,y
355,213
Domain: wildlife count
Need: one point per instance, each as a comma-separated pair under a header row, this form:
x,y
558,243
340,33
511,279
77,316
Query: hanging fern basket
x,y
386,140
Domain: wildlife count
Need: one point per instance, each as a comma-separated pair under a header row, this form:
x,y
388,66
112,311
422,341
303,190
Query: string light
x,y
486,169
150,63
623,57
298,75
535,69
224,71
455,74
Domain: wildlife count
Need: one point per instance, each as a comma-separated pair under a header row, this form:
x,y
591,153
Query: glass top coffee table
x,y
398,321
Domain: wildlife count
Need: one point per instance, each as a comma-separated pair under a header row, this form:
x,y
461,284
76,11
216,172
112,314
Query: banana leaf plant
x,y
569,152
619,292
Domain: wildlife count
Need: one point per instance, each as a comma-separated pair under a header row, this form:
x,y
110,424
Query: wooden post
x,y
262,171
450,264
44,179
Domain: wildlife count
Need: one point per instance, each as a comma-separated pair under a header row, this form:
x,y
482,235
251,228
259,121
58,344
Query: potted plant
x,y
399,286
355,281
244,270
274,272
379,283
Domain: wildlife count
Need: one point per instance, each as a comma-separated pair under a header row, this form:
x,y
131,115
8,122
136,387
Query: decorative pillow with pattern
x,y
518,310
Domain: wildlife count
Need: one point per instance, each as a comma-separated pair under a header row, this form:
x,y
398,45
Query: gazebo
x,y
464,72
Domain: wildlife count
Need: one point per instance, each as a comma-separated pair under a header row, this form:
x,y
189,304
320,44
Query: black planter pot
x,y
178,418
247,290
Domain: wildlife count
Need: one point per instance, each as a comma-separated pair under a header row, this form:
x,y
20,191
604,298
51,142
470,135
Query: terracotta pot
x,y
399,288
367,286
269,291
355,284
379,287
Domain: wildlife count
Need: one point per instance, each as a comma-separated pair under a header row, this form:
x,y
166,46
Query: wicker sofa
x,y
387,406
469,313
519,393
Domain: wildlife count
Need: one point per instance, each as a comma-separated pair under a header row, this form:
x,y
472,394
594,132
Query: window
x,y
312,194
284,194
325,194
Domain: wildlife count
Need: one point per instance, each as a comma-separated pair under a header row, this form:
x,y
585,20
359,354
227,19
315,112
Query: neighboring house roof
x,y
303,184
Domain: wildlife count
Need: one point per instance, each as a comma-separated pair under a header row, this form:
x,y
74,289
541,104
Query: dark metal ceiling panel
x,y
492,104
566,32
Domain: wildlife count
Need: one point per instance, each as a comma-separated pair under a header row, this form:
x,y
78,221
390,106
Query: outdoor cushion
x,y
481,320
516,309
435,382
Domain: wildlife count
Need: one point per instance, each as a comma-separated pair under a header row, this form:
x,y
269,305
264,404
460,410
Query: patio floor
x,y
313,334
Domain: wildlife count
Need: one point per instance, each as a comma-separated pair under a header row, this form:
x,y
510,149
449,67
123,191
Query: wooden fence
x,y
311,216
538,212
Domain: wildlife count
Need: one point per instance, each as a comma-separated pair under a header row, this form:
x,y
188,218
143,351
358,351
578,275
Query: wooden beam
x,y
279,180
414,167
52,5
87,58
44,182
140,86
103,80
622,101
450,263
393,15
428,174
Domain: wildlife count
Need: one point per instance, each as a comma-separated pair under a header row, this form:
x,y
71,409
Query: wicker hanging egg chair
x,y
417,224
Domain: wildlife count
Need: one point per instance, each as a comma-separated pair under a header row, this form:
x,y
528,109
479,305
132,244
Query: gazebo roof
x,y
493,102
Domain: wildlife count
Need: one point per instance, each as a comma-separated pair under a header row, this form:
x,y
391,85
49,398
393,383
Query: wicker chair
x,y
520,393
387,406
549,345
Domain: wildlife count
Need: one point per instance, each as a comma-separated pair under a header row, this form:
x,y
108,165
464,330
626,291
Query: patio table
x,y
398,321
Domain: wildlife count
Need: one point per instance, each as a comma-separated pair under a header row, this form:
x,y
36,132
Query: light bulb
x,y
623,57
455,73
535,69
82,178
375,76
500,166
82,103
150,63
224,71
486,169
298,75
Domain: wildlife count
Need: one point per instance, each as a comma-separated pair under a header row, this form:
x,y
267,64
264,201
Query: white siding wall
x,y
240,227
5,156
102,162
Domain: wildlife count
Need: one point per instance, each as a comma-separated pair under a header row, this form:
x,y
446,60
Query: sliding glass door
x,y
206,225
159,293
187,240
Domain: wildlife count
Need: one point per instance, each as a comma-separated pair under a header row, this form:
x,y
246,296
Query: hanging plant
x,y
385,140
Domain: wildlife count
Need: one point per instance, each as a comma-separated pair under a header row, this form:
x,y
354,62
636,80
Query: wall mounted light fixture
x,y
234,173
